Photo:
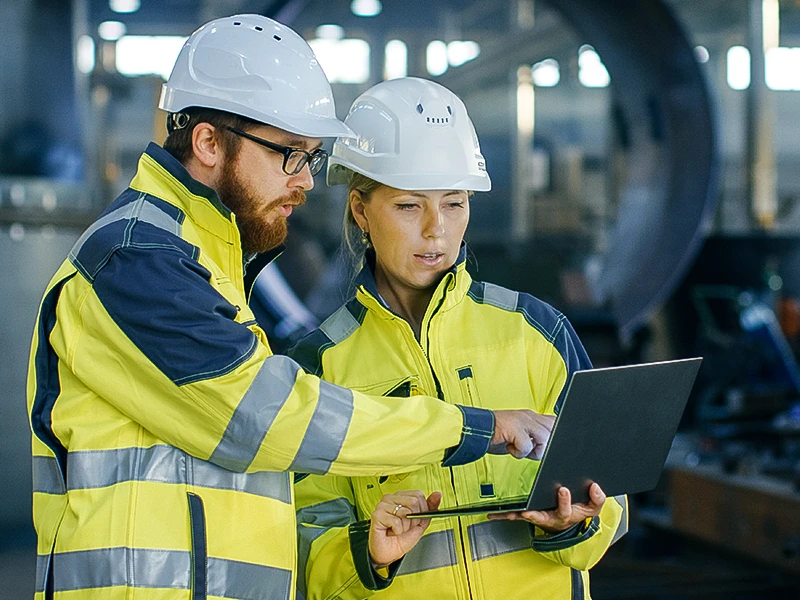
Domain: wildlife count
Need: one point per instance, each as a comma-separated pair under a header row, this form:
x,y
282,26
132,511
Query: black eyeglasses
x,y
294,159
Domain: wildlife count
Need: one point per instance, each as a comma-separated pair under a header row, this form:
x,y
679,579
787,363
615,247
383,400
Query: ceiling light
x,y
329,32
366,8
436,57
111,31
124,6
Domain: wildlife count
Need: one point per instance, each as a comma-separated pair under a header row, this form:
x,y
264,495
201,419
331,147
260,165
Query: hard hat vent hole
x,y
257,28
420,109
277,37
237,23
449,109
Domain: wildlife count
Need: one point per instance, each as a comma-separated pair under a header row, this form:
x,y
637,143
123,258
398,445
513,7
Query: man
x,y
165,431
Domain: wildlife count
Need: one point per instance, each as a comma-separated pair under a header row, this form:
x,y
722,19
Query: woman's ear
x,y
357,207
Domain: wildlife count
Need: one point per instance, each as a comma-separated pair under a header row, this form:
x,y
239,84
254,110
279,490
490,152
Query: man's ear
x,y
357,206
204,145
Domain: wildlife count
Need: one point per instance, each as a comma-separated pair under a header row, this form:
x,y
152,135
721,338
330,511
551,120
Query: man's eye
x,y
405,206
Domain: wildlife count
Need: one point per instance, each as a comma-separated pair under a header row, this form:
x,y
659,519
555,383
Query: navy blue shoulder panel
x,y
150,282
134,219
553,325
308,351
162,300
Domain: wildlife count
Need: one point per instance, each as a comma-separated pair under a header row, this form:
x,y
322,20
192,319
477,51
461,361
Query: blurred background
x,y
645,158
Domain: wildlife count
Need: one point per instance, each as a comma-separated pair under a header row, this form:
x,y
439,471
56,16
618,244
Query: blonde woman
x,y
418,324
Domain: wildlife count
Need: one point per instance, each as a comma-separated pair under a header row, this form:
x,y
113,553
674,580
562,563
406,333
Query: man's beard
x,y
259,230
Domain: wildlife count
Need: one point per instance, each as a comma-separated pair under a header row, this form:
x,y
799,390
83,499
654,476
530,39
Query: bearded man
x,y
164,429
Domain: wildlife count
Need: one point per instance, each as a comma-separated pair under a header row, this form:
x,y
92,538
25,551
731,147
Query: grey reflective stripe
x,y
109,567
156,217
47,477
340,325
326,432
90,469
120,214
42,563
145,568
622,528
494,295
333,513
493,538
256,411
434,551
246,581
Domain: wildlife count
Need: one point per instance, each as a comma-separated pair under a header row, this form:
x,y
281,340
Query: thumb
x,y
520,446
434,500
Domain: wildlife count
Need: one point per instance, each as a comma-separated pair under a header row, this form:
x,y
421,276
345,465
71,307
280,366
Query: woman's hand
x,y
565,515
391,533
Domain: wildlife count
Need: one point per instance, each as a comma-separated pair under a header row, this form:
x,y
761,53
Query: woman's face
x,y
416,234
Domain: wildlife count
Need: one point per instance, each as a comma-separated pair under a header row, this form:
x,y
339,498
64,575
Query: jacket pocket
x,y
471,397
197,517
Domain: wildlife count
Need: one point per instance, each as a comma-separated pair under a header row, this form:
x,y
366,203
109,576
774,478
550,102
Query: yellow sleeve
x,y
326,526
582,546
173,358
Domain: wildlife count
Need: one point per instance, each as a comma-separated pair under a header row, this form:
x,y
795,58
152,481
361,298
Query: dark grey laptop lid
x,y
616,428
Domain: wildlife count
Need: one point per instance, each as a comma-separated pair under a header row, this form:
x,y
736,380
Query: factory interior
x,y
645,162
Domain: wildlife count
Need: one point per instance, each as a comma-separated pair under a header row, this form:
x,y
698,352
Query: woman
x,y
419,324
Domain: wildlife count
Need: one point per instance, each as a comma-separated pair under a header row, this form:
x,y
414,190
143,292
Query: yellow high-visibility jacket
x,y
164,430
480,345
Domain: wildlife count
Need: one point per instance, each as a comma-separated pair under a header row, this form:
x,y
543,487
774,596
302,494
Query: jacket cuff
x,y
475,437
580,532
359,548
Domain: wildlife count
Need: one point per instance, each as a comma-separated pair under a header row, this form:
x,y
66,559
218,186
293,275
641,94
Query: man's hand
x,y
391,534
522,433
565,515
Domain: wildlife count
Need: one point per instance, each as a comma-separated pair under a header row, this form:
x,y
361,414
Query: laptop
x,y
615,427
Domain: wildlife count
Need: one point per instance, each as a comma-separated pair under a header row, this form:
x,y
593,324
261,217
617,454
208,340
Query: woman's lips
x,y
429,259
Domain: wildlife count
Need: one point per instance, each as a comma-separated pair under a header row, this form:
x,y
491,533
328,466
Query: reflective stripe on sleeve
x,y
146,568
434,551
255,414
327,430
312,522
493,538
622,528
47,478
102,468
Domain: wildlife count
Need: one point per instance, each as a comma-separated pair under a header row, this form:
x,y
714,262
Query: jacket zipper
x,y
440,393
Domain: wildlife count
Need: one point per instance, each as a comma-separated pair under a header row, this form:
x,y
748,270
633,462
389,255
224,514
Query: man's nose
x,y
303,180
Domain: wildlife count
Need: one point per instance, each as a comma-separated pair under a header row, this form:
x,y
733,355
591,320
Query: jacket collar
x,y
453,285
163,176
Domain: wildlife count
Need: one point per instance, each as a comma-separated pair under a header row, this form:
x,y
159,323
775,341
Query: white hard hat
x,y
412,134
253,66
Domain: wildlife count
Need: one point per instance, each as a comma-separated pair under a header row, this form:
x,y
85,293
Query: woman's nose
x,y
434,224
